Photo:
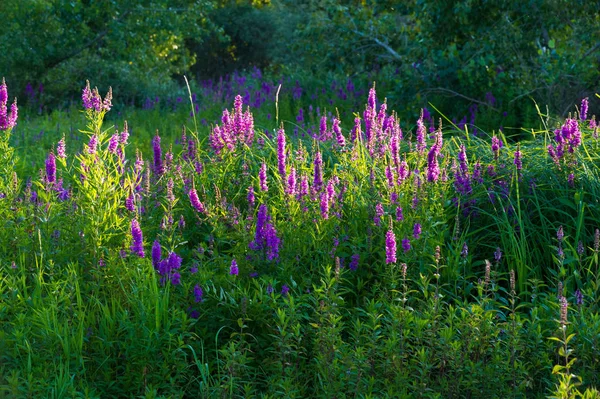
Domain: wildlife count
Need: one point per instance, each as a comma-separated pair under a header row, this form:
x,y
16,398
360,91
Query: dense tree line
x,y
486,52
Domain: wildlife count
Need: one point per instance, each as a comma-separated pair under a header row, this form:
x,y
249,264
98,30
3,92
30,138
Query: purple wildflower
x,y
61,150
498,254
584,109
496,145
176,278
130,203
262,177
7,121
399,214
465,251
281,156
378,214
405,244
285,290
390,247
158,163
86,96
233,269
270,289
113,142
291,182
338,133
137,245
417,231
578,297
421,132
518,158
318,172
196,201
198,293
93,144
156,254
51,168
560,234
324,205
354,262
124,134
251,198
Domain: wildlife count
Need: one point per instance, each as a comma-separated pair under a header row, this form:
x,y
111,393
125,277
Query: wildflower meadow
x,y
250,238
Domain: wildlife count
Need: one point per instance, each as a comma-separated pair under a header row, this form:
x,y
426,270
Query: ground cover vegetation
x,y
284,227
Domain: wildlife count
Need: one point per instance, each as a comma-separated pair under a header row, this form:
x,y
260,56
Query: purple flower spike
x,y
51,168
338,133
196,201
318,173
584,109
390,247
198,293
417,231
156,254
281,156
498,254
233,269
262,177
86,96
560,234
113,143
406,244
137,245
61,150
158,163
465,251
251,198
285,290
93,144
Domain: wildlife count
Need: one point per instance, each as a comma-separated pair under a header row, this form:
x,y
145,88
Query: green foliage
x,y
132,45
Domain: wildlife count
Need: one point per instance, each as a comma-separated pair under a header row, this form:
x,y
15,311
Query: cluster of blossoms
x,y
567,138
93,101
236,127
265,238
7,120
167,268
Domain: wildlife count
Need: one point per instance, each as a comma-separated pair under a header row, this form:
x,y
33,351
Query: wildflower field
x,y
281,244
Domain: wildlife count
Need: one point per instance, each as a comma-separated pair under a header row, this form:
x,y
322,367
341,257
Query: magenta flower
x,y
233,269
281,156
584,109
196,201
137,244
291,183
518,159
262,177
399,214
405,244
354,262
338,132
61,150
318,172
417,231
158,164
390,247
156,254
198,293
51,168
251,198
93,144
113,143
